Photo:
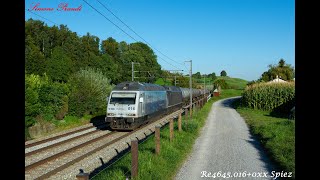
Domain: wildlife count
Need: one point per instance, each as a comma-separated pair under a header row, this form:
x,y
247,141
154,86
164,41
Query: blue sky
x,y
241,37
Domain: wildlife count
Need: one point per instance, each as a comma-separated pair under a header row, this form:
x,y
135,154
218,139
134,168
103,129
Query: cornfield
x,y
268,96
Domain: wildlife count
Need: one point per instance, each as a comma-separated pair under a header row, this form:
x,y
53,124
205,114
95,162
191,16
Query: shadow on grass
x,y
109,165
285,110
256,140
270,163
264,155
231,102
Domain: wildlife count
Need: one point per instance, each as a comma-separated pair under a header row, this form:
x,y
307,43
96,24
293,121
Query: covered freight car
x,y
174,97
196,93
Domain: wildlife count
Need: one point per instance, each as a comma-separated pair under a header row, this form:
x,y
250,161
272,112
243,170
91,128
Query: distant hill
x,y
234,83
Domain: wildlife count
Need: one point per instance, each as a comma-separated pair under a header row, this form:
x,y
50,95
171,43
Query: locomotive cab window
x,y
123,98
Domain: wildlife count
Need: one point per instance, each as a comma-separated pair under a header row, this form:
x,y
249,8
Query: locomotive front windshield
x,y
123,98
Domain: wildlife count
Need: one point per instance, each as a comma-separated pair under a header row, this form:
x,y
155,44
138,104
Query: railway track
x,y
80,130
62,160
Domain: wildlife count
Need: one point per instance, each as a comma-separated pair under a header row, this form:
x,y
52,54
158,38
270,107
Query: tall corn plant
x,y
89,89
268,96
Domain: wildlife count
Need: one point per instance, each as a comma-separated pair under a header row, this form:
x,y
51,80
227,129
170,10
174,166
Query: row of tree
x,y
211,76
59,52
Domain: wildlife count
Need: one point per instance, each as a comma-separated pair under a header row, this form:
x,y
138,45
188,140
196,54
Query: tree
x,y
281,63
197,75
111,47
90,43
212,76
140,53
220,82
59,65
34,59
283,70
185,82
89,89
223,73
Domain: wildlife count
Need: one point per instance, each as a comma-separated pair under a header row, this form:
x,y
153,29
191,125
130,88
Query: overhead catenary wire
x,y
110,20
42,17
140,36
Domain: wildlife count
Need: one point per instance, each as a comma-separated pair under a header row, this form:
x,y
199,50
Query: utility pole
x,y
175,78
190,83
132,70
204,86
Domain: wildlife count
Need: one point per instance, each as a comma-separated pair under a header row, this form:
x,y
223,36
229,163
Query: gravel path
x,y
226,145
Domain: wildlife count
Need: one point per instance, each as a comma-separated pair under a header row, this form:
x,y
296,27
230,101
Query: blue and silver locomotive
x,y
132,104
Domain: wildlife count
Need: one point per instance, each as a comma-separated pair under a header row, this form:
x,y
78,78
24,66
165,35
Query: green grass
x,y
71,122
172,154
277,135
161,81
234,83
68,122
230,93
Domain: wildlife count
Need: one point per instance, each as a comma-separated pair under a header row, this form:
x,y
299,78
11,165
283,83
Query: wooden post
x,y
171,129
191,111
186,113
157,139
82,175
179,122
134,158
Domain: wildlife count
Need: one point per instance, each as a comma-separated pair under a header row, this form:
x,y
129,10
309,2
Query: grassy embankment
x,y
172,154
234,83
277,134
46,128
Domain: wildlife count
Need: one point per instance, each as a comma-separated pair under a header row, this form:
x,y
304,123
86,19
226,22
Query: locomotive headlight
x,y
130,114
110,114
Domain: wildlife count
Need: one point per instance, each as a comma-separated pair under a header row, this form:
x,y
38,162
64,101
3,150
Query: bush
x,y
222,83
26,134
64,108
44,98
89,89
54,98
33,106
